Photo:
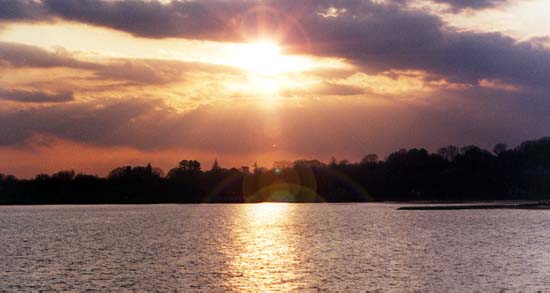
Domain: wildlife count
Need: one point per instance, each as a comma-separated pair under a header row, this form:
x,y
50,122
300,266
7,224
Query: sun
x,y
265,57
262,57
269,69
265,66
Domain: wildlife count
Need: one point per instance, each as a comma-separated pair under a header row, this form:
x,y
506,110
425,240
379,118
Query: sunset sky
x,y
91,85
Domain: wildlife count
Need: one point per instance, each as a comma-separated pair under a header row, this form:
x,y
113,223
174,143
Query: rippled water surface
x,y
272,247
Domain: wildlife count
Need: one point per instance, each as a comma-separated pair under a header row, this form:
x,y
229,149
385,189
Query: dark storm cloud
x,y
35,96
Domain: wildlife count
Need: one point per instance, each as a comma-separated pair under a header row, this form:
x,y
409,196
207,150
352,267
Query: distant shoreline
x,y
411,205
451,174
543,205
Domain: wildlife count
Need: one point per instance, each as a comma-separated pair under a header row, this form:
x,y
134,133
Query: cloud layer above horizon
x,y
168,80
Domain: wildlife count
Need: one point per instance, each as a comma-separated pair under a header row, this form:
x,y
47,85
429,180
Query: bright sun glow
x,y
270,70
266,65
262,58
265,58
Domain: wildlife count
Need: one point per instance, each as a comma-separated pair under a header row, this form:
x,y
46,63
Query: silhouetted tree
x,y
449,152
370,158
215,166
308,163
333,163
500,148
467,173
63,176
282,164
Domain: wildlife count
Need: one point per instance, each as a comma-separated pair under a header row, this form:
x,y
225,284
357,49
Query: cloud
x,y
147,71
386,37
315,128
137,71
138,123
91,122
323,89
330,88
35,96
377,36
191,19
20,55
28,10
458,5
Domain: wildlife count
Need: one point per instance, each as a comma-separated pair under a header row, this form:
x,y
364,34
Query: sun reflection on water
x,y
266,253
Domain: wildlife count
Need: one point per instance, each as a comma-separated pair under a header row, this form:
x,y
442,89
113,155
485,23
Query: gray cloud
x,y
83,122
153,19
385,37
20,55
458,5
35,96
22,10
318,129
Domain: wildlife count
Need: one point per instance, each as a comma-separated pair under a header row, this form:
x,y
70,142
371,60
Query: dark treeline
x,y
452,173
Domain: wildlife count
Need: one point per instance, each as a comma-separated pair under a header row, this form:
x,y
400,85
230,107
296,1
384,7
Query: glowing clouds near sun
x,y
266,80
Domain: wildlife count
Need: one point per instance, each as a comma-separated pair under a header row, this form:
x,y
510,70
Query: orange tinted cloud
x,y
138,81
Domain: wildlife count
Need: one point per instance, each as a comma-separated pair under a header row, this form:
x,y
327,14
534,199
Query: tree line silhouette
x,y
452,173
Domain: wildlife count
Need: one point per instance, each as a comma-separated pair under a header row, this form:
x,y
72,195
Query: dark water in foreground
x,y
272,247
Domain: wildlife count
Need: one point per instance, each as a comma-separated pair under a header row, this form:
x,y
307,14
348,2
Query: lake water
x,y
272,247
